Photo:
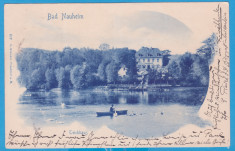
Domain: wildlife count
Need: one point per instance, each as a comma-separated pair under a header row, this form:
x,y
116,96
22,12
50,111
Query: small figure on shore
x,y
161,113
112,109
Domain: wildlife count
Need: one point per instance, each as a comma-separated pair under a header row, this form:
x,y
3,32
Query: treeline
x,y
82,68
185,70
74,68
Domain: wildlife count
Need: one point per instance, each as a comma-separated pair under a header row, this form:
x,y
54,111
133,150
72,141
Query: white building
x,y
149,58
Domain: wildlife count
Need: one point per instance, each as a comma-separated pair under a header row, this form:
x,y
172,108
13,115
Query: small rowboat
x,y
120,112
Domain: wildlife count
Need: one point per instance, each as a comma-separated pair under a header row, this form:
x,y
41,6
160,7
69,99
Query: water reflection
x,y
149,113
187,96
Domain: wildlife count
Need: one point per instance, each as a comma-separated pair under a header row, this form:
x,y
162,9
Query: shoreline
x,y
126,88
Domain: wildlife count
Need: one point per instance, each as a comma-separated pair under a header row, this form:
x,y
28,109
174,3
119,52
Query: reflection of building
x,y
149,58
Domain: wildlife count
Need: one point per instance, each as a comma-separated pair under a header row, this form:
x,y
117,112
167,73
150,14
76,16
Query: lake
x,y
149,113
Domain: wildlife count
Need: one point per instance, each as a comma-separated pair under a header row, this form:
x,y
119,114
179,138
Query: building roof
x,y
148,52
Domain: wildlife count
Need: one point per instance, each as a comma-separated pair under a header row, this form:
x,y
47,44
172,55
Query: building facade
x,y
149,58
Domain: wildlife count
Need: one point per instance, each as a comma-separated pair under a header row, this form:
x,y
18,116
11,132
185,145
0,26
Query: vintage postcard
x,y
117,75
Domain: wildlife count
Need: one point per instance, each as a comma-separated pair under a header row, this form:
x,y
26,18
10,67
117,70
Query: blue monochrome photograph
x,y
114,75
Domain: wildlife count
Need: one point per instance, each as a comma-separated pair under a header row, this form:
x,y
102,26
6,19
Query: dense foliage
x,y
74,68
82,68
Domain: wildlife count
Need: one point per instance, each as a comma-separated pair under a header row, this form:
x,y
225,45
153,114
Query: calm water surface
x,y
149,113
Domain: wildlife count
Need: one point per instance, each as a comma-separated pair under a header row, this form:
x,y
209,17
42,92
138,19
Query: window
x,y
152,60
143,60
143,66
158,54
157,60
148,60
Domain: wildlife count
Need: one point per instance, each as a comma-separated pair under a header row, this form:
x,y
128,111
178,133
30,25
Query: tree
x,y
24,67
152,76
186,65
201,70
166,55
68,83
77,57
50,79
102,73
75,76
63,78
78,77
131,66
112,72
174,72
126,58
91,79
186,62
93,59
67,57
208,50
36,79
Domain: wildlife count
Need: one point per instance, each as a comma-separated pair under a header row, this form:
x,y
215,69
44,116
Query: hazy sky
x,y
179,27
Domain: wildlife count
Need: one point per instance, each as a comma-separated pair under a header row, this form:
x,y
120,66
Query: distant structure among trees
x,y
104,47
151,58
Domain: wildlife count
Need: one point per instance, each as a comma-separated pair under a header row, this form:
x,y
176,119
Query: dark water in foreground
x,y
149,113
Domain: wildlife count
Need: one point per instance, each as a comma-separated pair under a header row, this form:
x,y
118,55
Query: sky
x,y
178,27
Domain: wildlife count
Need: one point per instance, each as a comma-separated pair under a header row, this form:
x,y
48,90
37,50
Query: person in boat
x,y
112,109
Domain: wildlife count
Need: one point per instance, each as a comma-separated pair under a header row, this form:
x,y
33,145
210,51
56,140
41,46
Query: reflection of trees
x,y
132,99
65,94
113,99
39,98
182,95
187,96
